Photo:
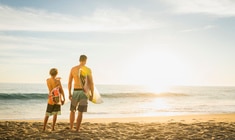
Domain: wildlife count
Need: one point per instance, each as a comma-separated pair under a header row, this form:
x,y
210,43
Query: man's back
x,y
74,74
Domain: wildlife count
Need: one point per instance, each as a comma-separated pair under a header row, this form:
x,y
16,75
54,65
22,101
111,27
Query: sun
x,y
157,69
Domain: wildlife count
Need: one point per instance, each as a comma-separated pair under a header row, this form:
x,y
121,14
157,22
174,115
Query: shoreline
x,y
227,117
164,119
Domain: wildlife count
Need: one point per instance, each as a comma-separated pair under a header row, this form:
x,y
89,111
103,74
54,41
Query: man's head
x,y
83,59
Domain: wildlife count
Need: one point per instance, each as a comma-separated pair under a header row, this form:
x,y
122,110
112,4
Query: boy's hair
x,y
82,58
53,72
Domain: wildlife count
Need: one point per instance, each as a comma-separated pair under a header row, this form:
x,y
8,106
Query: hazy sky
x,y
157,42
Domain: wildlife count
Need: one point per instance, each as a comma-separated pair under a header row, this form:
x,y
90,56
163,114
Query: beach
x,y
213,126
128,112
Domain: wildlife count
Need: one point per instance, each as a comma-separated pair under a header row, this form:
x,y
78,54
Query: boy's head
x,y
53,72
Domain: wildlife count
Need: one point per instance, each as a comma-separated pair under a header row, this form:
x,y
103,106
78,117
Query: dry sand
x,y
200,127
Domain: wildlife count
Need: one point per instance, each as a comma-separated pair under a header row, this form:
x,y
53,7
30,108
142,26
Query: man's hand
x,y
91,98
70,97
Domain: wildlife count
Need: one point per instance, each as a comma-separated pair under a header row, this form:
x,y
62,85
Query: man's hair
x,y
82,58
53,72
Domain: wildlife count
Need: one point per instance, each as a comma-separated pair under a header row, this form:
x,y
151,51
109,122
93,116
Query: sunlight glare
x,y
157,88
157,69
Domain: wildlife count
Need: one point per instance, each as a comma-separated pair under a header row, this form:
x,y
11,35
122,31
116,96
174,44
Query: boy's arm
x,y
61,92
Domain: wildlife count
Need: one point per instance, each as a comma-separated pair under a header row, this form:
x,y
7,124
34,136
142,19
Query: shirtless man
x,y
78,98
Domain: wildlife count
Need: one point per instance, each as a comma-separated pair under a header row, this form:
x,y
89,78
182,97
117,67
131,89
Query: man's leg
x,y
72,117
79,120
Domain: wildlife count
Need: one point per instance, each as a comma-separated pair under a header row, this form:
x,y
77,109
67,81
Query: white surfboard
x,y
96,95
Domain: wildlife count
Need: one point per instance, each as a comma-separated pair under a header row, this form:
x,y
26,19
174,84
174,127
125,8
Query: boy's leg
x,y
54,122
45,122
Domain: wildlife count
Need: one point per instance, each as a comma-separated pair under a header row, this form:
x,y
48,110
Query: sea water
x,y
29,101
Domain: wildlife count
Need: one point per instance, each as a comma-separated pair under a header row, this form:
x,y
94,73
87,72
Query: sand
x,y
200,127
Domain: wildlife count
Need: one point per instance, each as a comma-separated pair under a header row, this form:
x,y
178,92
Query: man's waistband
x,y
77,89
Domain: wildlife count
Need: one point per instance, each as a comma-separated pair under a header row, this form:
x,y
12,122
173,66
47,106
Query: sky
x,y
153,42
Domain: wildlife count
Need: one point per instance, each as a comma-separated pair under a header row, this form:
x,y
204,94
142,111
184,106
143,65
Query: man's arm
x,y
70,84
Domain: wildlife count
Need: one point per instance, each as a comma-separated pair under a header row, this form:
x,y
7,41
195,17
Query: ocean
x,y
29,101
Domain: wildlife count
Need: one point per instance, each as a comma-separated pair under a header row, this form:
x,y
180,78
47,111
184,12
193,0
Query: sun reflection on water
x,y
157,89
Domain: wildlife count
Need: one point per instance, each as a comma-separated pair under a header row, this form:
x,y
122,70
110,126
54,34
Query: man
x,y
79,98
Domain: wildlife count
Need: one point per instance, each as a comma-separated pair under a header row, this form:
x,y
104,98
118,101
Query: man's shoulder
x,y
74,68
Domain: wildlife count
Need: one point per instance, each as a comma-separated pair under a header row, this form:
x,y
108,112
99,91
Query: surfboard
x,y
83,75
96,96
54,96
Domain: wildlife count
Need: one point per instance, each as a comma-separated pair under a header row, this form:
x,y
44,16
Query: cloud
x,y
207,27
104,20
23,49
219,8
